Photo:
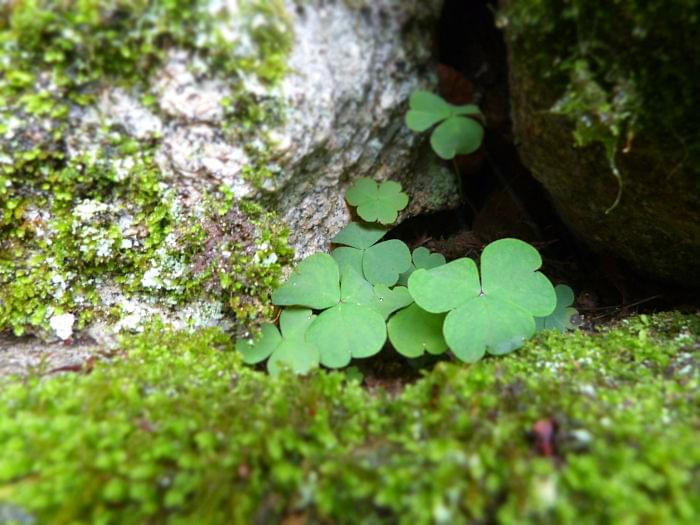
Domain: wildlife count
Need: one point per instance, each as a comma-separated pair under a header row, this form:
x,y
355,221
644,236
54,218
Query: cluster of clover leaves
x,y
344,305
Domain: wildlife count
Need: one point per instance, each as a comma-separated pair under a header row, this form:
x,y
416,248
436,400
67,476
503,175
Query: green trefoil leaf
x,y
377,202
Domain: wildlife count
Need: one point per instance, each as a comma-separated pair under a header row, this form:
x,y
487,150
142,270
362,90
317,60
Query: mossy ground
x,y
176,430
76,218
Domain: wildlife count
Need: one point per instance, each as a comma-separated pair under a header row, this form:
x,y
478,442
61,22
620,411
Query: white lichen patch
x,y
118,106
62,325
199,159
185,97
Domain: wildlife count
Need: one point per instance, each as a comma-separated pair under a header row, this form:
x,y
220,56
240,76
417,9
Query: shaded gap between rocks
x,y
502,197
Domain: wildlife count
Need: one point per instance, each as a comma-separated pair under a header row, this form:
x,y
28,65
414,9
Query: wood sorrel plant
x,y
345,304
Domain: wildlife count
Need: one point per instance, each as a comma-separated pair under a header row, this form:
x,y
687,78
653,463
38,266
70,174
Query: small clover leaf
x,y
360,236
493,314
422,258
388,300
352,328
288,350
426,110
377,202
445,287
313,283
413,331
346,331
380,263
561,317
384,262
456,134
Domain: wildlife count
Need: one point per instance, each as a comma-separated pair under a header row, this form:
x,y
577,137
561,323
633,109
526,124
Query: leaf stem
x,y
462,195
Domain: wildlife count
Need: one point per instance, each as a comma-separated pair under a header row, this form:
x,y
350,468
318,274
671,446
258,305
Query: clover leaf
x,y
350,325
388,300
561,317
422,258
493,313
380,263
413,331
359,235
290,349
456,134
313,283
385,261
377,202
351,328
426,110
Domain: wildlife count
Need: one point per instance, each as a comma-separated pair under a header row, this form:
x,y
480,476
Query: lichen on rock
x,y
92,224
144,147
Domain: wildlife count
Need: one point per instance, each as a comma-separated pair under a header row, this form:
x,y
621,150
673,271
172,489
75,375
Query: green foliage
x,y
288,350
351,324
360,293
176,430
562,316
422,258
377,202
414,331
385,261
493,314
456,133
314,283
380,263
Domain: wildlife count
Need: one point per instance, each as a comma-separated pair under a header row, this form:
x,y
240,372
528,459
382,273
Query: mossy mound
x,y
178,431
603,95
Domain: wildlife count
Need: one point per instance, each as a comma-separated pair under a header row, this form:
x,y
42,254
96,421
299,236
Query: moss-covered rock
x,y
92,225
144,145
176,430
603,95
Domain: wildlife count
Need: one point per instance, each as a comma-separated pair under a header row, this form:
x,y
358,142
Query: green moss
x,y
179,431
70,224
623,72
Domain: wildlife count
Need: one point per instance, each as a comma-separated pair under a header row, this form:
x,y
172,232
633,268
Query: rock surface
x,y
124,205
640,109
352,70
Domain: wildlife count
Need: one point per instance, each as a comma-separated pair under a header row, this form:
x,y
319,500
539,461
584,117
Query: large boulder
x,y
160,159
604,90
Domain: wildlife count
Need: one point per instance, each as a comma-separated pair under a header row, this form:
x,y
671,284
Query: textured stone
x,y
293,145
656,227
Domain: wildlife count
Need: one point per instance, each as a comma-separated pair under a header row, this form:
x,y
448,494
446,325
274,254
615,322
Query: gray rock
x,y
352,69
338,116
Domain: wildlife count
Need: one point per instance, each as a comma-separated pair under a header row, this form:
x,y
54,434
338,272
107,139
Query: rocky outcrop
x,y
627,105
138,184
